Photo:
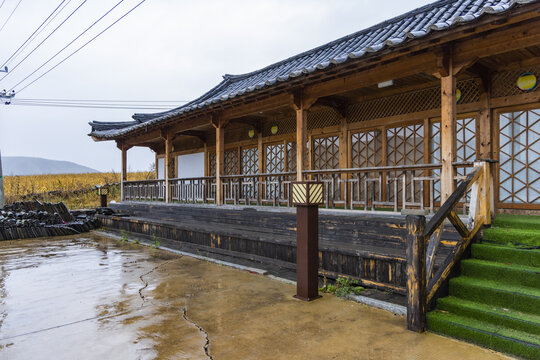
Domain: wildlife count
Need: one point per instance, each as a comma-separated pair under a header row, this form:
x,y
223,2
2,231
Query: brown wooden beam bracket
x,y
195,133
338,103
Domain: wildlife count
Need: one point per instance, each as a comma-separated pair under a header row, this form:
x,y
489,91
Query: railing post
x,y
416,273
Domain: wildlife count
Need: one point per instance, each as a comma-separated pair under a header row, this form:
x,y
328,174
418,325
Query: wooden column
x,y
206,171
301,125
484,120
448,133
260,152
220,161
123,171
344,155
168,166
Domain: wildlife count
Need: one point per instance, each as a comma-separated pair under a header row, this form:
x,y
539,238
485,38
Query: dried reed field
x,y
77,191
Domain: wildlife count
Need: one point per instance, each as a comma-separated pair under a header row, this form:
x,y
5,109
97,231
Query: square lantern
x,y
307,193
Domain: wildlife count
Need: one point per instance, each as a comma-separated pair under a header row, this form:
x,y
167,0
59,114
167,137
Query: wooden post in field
x,y
416,273
1,185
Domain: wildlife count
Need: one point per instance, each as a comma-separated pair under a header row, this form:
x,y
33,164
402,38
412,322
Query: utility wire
x,y
10,15
2,4
93,106
44,21
103,101
80,48
44,27
42,41
159,105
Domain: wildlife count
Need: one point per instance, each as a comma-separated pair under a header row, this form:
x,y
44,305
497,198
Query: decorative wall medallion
x,y
458,95
526,81
251,133
274,129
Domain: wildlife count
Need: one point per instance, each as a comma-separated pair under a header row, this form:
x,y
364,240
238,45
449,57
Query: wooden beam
x,y
498,41
448,133
220,161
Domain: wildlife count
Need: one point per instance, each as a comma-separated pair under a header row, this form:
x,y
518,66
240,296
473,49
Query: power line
x,y
44,27
80,48
146,104
10,15
44,21
48,36
2,4
92,106
103,100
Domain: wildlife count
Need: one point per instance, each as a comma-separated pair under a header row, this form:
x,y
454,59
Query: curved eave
x,y
220,95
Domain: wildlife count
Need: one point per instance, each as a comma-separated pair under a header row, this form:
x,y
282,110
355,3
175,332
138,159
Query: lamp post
x,y
103,191
307,196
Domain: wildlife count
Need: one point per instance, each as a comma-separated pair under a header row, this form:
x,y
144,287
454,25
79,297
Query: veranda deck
x,y
369,247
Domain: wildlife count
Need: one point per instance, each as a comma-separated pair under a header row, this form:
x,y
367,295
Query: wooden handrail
x,y
423,241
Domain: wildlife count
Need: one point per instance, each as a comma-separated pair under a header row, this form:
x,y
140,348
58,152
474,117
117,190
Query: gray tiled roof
x,y
437,16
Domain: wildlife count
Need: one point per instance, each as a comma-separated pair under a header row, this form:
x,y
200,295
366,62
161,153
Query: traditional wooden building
x,y
437,110
389,116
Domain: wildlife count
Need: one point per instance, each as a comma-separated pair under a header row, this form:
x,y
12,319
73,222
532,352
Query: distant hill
x,y
22,165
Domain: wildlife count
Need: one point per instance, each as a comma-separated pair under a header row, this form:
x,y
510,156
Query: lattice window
x,y
231,162
405,145
322,119
504,83
212,164
465,148
274,158
519,154
466,142
285,125
470,92
250,161
326,153
291,156
366,149
409,102
435,156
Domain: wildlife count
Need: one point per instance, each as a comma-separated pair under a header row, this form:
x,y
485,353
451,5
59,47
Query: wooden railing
x,y
144,190
197,190
371,188
394,187
424,240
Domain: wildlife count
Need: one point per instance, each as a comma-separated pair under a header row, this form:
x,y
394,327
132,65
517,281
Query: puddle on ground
x,y
88,297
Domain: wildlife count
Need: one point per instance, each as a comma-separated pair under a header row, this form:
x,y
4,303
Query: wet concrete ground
x,y
89,297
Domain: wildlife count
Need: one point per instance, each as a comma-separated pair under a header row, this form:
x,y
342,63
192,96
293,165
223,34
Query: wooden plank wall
x,y
369,248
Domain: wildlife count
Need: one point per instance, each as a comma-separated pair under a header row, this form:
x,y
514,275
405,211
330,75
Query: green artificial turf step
x,y
510,296
502,272
495,315
506,254
498,338
529,222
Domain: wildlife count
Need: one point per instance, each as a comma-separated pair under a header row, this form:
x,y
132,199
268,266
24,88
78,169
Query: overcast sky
x,y
165,50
